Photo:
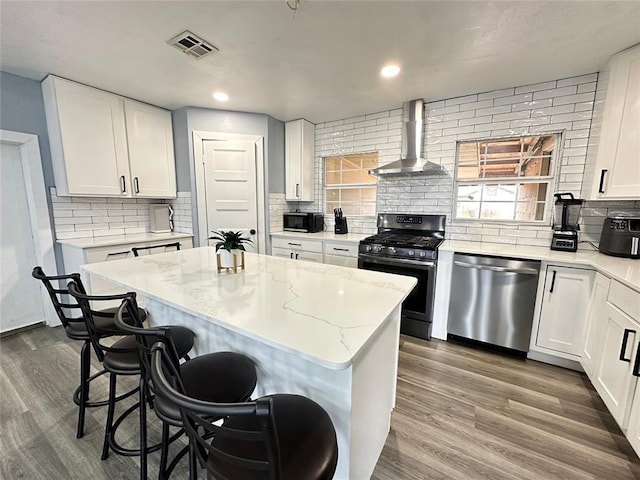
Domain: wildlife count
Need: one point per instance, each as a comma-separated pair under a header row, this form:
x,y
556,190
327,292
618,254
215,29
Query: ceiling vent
x,y
192,45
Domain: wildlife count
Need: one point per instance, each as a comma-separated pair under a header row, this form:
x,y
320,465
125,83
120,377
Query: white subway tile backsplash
x,y
536,87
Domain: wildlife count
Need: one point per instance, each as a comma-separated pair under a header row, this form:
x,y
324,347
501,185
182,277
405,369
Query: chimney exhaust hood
x,y
410,160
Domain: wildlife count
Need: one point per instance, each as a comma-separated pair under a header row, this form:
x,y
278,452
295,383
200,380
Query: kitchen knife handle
x,y
123,185
553,281
602,174
623,348
136,185
636,365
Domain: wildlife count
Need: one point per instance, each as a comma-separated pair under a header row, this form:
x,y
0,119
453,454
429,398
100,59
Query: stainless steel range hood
x,y
410,160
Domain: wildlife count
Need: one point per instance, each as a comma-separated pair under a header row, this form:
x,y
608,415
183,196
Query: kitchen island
x,y
329,333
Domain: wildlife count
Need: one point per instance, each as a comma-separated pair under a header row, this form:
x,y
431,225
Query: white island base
x,y
368,383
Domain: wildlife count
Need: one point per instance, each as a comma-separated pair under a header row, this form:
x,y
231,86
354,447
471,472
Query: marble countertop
x,y
90,242
324,313
347,237
624,270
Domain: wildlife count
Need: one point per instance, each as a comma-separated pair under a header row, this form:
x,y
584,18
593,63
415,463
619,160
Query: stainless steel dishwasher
x,y
492,300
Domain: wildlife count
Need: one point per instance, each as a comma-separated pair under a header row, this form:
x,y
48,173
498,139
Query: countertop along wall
x,y
564,105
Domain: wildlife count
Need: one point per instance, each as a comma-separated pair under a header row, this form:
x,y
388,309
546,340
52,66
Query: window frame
x,y
348,185
550,180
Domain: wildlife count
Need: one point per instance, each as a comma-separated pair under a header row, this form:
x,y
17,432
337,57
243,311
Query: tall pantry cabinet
x,y
106,145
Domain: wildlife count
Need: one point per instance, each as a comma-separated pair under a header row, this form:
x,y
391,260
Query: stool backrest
x,y
56,286
199,418
89,304
136,250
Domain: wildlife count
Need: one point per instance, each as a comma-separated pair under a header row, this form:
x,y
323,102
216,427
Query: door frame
x,y
38,210
199,137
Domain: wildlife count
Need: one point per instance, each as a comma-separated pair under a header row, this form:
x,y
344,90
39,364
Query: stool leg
x,y
110,412
143,428
193,462
164,452
85,362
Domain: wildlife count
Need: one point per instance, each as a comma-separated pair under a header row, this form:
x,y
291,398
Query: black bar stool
x,y
223,377
277,437
122,358
75,328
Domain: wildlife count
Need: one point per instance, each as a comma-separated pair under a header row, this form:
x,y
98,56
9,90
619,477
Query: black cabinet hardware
x,y
135,184
623,348
636,365
553,281
123,186
602,174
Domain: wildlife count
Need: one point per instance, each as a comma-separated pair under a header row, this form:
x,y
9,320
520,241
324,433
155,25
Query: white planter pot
x,y
226,257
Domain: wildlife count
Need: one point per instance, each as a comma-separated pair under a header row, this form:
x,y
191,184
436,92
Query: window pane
x,y
351,176
529,211
494,193
350,195
334,163
333,195
468,210
368,194
468,160
333,178
497,211
331,206
532,192
469,192
369,179
369,161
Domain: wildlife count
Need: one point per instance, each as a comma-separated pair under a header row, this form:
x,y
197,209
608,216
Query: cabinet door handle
x,y
295,244
341,249
136,185
123,185
113,254
553,281
602,174
291,255
298,190
296,256
623,348
636,365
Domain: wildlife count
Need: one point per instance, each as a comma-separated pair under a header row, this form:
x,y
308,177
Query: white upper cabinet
x,y
299,138
617,173
105,145
150,144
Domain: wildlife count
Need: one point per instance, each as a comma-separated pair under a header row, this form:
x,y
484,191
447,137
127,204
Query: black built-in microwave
x,y
303,222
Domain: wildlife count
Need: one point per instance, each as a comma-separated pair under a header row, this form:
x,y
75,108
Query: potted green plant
x,y
228,243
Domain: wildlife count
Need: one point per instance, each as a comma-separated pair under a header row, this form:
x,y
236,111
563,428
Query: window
x,y
507,179
348,184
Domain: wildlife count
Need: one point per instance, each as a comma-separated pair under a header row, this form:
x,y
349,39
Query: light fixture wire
x,y
293,5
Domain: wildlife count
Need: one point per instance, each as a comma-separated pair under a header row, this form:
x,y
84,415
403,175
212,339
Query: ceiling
x,y
323,62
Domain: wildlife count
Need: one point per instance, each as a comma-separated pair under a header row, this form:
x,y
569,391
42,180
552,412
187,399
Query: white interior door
x,y
21,301
230,183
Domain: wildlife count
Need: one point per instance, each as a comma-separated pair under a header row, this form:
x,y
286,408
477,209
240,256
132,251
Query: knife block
x,y
340,226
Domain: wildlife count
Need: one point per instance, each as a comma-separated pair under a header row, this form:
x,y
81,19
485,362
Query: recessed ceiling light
x,y
390,71
221,96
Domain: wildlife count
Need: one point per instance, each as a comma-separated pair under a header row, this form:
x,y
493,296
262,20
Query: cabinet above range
x,y
106,145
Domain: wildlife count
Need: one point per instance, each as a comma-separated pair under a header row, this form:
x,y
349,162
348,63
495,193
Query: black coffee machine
x,y
565,222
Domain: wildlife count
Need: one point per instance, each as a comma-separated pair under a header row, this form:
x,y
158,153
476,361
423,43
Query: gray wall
x,y
22,110
275,150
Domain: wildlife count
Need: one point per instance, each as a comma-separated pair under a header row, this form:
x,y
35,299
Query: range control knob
x,y
411,253
368,248
391,250
377,248
422,254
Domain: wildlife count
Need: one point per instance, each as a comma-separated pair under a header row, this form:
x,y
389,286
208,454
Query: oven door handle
x,y
396,261
525,271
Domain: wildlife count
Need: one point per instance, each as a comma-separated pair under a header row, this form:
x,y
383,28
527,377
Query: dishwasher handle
x,y
525,271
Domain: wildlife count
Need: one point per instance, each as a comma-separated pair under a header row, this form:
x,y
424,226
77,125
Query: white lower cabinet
x,y
563,313
297,249
595,325
633,432
342,254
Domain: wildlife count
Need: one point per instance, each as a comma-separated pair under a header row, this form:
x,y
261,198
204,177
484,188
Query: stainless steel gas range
x,y
407,244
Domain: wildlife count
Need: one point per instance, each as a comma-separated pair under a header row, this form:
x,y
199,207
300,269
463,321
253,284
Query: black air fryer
x,y
621,237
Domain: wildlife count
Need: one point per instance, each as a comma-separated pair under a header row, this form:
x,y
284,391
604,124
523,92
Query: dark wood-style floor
x,y
461,413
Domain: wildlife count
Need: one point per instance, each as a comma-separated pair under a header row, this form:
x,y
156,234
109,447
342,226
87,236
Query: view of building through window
x,y
507,179
348,184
